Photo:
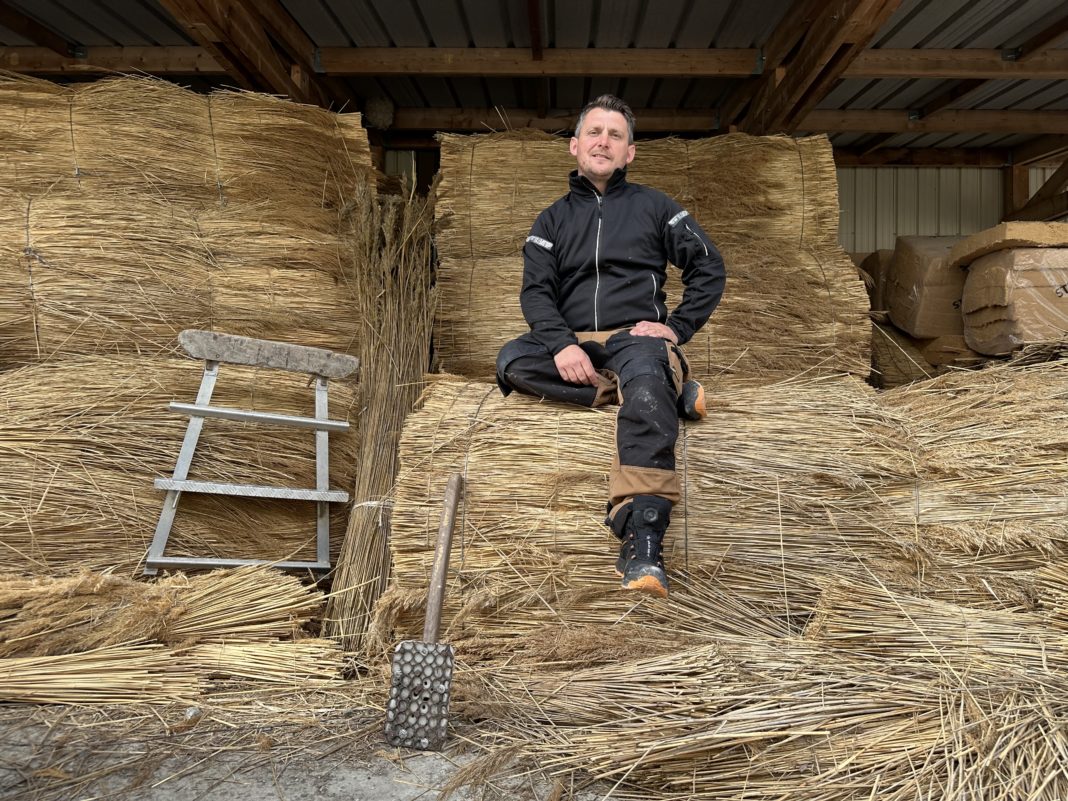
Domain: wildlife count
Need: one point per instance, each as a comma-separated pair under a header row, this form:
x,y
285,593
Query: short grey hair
x,y
609,103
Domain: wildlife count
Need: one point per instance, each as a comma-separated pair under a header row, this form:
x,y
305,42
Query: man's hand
x,y
647,328
575,366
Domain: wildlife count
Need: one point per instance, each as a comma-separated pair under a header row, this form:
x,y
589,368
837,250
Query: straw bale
x,y
779,486
143,132
492,186
36,149
786,312
794,302
265,146
83,439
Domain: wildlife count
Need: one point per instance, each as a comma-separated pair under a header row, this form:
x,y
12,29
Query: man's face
x,y
601,145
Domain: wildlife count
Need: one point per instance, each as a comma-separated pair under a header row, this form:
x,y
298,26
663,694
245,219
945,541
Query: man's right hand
x,y
575,366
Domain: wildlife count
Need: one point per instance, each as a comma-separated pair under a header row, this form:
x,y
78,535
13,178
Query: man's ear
x,y
574,147
630,153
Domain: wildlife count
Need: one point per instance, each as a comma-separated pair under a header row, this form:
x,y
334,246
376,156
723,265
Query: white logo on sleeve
x,y
537,240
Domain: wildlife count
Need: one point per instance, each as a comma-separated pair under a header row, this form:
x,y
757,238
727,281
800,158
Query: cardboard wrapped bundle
x,y
924,288
794,303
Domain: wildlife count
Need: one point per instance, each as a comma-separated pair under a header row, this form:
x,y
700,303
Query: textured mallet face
x,y
417,715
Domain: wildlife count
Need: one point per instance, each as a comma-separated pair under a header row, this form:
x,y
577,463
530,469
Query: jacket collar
x,y
581,185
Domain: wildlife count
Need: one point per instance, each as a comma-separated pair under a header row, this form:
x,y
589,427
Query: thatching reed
x,y
781,485
774,720
239,625
390,241
119,272
192,149
97,272
793,303
82,440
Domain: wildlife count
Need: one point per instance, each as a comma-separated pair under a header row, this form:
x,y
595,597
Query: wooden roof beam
x,y
151,60
961,63
922,157
947,121
516,62
834,39
29,28
498,119
1053,208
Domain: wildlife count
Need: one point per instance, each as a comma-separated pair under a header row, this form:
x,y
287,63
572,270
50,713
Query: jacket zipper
x,y
597,261
656,308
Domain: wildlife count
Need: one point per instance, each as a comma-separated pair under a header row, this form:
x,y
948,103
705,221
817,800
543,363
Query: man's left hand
x,y
647,328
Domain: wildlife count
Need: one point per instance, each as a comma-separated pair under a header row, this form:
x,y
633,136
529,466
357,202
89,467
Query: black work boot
x,y
691,402
641,563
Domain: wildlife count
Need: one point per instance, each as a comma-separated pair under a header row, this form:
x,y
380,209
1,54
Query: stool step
x,y
187,562
227,413
252,490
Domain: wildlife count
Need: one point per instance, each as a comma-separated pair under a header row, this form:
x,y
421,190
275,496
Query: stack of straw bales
x,y
829,538
793,303
134,209
99,638
81,441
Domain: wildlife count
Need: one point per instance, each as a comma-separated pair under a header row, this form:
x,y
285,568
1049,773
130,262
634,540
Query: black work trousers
x,y
645,374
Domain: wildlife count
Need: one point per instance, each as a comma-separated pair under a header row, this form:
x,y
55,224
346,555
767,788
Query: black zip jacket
x,y
598,262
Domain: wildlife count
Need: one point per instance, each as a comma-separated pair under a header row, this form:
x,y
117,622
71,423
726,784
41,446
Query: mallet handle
x,y
440,572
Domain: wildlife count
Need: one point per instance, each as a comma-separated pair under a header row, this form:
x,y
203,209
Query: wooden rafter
x,y
834,39
780,45
234,33
1042,149
948,121
1042,41
1053,186
29,28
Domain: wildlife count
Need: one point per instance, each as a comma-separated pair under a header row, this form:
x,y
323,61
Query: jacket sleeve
x,y
541,288
703,273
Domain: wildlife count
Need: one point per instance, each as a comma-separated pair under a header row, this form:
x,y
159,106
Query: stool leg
x,y
181,469
322,475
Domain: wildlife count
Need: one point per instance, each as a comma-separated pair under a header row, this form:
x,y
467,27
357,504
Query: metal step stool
x,y
216,349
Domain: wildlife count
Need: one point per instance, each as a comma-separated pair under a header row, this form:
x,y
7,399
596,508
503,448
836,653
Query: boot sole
x,y
647,584
695,410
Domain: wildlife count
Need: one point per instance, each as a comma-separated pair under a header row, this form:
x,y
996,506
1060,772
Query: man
x,y
595,265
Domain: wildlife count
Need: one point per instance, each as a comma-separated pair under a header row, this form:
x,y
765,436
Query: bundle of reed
x,y
895,359
280,270
36,149
991,478
83,439
986,646
780,720
146,133
100,272
780,486
304,664
390,241
53,616
794,302
736,186
126,674
265,144
785,313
